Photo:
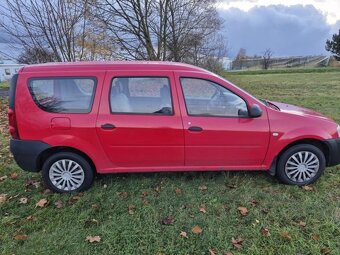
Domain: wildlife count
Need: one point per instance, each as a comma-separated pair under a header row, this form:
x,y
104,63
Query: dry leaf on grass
x,y
183,234
285,235
30,218
242,210
202,187
212,252
20,237
253,202
178,191
93,239
203,208
315,237
13,175
131,209
325,250
228,253
123,194
41,203
2,198
197,230
265,231
58,204
2,178
237,242
308,188
23,200
167,221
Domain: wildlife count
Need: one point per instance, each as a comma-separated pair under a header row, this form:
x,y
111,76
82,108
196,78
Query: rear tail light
x,y
12,121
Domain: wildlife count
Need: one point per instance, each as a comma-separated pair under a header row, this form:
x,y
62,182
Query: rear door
x,y
139,122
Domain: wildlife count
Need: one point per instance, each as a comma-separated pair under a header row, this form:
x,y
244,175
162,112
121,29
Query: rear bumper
x,y
334,151
26,153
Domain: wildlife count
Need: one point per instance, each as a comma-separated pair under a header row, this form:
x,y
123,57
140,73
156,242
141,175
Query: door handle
x,y
108,126
195,129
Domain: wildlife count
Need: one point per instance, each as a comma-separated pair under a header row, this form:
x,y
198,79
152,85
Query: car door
x,y
217,129
139,122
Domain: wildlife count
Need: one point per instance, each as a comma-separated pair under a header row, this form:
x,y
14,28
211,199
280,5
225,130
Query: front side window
x,y
203,97
141,95
63,95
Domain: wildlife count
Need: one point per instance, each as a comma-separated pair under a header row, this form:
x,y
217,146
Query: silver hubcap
x,y
66,174
302,166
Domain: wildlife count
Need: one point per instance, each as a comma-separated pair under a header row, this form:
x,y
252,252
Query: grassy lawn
x,y
4,84
146,213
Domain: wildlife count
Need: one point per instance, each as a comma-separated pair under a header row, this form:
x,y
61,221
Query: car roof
x,y
110,65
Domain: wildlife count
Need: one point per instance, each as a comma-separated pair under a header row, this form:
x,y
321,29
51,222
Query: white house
x,y
8,68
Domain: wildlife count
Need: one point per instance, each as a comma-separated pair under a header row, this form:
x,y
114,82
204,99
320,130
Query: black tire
x,y
87,172
305,149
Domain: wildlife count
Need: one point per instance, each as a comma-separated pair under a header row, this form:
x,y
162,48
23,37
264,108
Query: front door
x,y
139,122
217,130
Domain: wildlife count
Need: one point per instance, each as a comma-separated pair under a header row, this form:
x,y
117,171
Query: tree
x,y
266,58
238,61
36,55
59,26
334,45
172,30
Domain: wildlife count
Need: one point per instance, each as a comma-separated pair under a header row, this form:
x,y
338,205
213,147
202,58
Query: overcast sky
x,y
287,27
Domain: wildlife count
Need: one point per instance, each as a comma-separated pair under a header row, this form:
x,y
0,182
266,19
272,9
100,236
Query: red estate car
x,y
72,120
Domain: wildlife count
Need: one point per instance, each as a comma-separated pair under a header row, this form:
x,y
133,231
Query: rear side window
x,y
141,95
63,95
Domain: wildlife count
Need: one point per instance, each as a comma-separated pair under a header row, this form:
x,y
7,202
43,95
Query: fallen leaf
x,y
2,178
41,203
30,218
2,198
265,231
13,175
20,237
307,188
285,235
242,210
196,230
32,183
212,252
178,191
91,222
167,221
302,224
265,210
315,237
123,194
253,202
58,204
23,200
203,208
92,239
144,194
232,186
237,243
183,234
325,250
131,209
228,253
202,187
47,191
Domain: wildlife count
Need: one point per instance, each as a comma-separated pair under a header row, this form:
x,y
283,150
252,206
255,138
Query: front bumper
x,y
26,153
334,151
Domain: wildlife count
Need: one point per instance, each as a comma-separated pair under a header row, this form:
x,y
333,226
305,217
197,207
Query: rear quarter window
x,y
63,95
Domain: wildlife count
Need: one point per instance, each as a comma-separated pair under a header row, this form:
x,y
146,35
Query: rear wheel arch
x,y
50,151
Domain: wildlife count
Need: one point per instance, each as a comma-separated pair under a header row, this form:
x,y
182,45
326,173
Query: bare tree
x,y
173,30
266,58
59,26
36,55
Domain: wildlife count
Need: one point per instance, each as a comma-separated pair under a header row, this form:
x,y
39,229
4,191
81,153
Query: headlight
x,y
338,131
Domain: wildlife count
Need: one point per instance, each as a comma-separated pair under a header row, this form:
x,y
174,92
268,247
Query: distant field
x,y
157,213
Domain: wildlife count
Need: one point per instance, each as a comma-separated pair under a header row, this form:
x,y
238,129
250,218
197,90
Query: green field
x,y
4,84
145,213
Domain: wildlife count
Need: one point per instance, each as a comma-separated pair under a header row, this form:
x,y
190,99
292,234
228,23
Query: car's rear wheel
x,y
301,165
67,172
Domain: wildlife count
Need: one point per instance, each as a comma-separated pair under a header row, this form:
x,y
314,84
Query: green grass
x,y
103,211
4,84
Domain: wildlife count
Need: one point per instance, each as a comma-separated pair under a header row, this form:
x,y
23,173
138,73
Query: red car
x,y
72,120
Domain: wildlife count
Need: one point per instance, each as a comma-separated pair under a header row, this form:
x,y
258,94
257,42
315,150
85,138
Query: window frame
x,y
207,115
93,78
140,113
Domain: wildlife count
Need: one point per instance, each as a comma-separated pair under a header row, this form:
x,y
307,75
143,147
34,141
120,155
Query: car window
x,y
203,97
63,95
141,95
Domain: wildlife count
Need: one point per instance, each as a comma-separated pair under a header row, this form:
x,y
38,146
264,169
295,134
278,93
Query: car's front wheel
x,y
67,172
301,165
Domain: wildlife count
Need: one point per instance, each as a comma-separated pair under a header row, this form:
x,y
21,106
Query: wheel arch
x,y
317,143
50,151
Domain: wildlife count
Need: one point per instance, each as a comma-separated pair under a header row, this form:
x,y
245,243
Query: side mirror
x,y
255,111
